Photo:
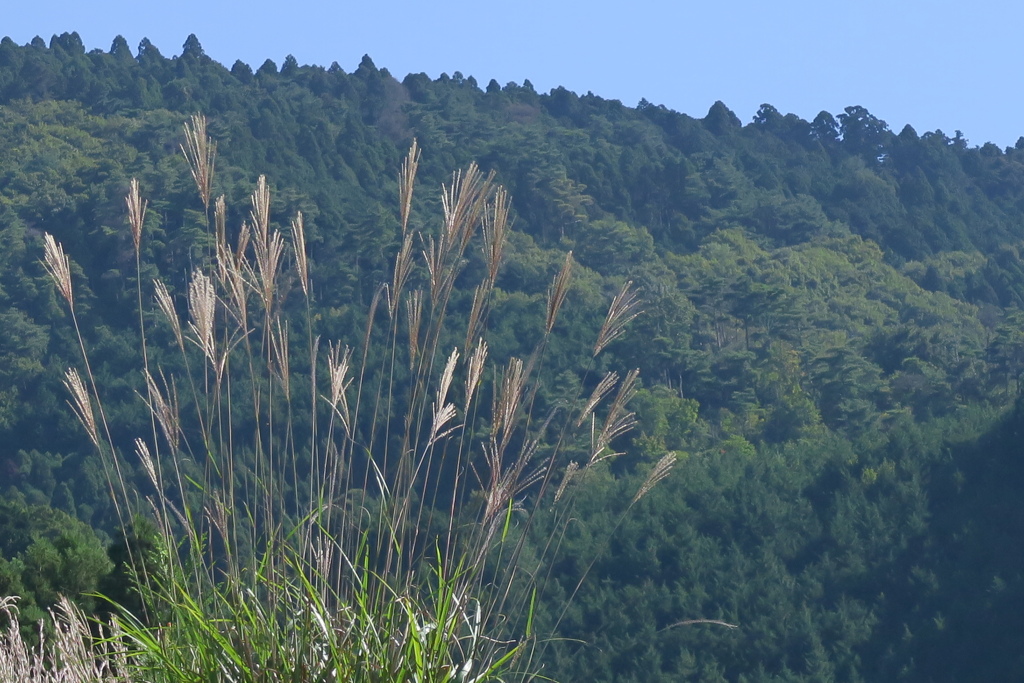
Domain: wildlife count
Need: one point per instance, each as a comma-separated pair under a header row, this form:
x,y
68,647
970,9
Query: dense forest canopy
x,y
832,342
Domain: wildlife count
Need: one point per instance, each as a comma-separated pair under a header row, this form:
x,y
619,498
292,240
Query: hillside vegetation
x,y
832,341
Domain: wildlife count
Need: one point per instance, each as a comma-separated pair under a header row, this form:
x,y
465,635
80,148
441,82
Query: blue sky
x,y
936,64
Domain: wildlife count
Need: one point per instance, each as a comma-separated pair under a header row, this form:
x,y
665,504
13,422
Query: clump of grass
x,y
66,654
351,544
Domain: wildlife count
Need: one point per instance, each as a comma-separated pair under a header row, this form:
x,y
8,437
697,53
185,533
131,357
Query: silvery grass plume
x,y
201,153
69,655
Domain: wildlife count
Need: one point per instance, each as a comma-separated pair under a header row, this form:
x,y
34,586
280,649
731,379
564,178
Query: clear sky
x,y
936,64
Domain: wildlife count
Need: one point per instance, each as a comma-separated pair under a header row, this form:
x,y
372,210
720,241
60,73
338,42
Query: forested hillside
x,y
832,340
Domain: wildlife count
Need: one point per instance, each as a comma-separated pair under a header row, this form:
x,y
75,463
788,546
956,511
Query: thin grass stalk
x,y
475,367
465,204
504,483
553,544
575,476
136,207
379,293
202,412
657,474
58,266
386,385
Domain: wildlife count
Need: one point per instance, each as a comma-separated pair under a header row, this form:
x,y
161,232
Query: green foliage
x,y
44,554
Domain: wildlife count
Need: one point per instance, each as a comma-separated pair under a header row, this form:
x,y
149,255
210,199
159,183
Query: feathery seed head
x,y
506,402
495,230
260,212
202,302
618,421
339,363
244,237
166,305
58,266
414,311
660,471
220,221
624,307
81,404
299,247
570,472
235,273
201,153
446,376
406,179
434,256
279,347
557,292
475,371
268,246
476,311
136,213
600,391
444,412
142,450
165,409
403,266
